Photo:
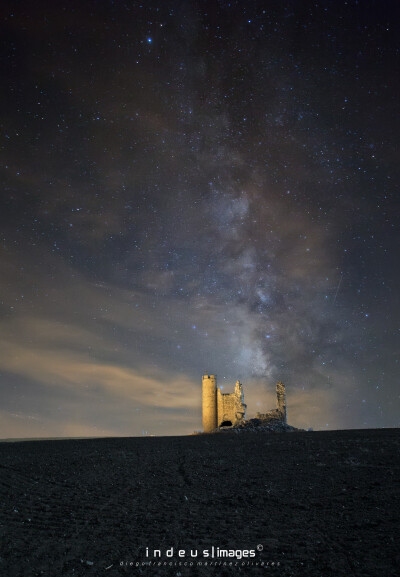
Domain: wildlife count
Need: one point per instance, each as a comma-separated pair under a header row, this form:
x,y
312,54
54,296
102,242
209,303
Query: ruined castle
x,y
229,410
278,414
220,409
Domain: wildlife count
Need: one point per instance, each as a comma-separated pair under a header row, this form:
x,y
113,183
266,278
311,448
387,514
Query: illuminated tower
x,y
281,400
209,403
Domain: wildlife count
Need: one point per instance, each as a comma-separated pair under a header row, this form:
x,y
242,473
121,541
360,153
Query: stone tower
x,y
221,409
209,403
281,400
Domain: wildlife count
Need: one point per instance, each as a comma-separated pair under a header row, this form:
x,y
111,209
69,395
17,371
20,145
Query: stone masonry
x,y
229,409
278,414
221,409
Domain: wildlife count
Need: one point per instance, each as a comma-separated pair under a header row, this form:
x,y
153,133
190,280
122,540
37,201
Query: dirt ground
x,y
283,504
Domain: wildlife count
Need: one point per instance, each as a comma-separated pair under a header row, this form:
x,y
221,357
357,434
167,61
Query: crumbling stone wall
x,y
281,401
221,408
230,406
278,414
229,409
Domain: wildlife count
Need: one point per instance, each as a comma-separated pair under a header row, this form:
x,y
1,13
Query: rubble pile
x,y
260,425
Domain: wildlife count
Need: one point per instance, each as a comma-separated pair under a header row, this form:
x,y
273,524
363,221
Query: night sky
x,y
192,187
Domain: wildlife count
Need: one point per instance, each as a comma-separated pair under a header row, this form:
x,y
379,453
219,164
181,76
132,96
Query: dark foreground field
x,y
312,504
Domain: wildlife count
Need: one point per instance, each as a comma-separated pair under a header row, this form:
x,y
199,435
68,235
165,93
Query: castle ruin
x,y
229,410
278,414
221,409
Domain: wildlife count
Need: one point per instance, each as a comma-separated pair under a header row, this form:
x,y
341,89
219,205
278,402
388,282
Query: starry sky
x,y
191,187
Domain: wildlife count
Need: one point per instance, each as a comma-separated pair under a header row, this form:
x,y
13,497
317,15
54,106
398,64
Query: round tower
x,y
209,403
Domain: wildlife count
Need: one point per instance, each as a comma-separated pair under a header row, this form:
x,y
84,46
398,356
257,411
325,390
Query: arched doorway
x,y
226,424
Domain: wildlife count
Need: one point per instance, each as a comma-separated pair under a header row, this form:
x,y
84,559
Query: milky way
x,y
195,187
